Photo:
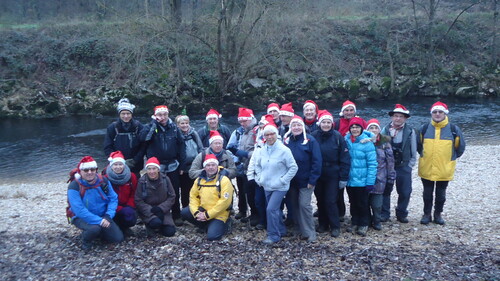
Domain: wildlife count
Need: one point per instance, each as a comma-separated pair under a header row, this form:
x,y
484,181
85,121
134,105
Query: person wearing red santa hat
x,y
154,199
164,141
347,112
310,110
213,124
124,183
92,204
274,110
210,201
286,115
404,147
441,143
242,145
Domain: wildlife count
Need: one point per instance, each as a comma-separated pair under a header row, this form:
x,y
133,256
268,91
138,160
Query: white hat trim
x,y
88,165
439,107
210,161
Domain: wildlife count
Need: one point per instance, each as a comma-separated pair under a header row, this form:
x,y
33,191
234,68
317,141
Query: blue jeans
x,y
91,232
215,228
275,226
404,189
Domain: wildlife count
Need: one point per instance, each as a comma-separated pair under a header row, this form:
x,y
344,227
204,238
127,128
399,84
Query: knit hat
x,y
160,108
373,122
399,108
245,114
213,113
116,156
153,161
210,158
345,105
273,106
296,119
214,135
324,115
287,110
309,103
357,121
124,104
440,106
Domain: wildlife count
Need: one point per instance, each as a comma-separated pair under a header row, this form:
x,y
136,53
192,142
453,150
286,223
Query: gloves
x,y
130,163
157,212
232,148
241,153
370,188
342,184
224,172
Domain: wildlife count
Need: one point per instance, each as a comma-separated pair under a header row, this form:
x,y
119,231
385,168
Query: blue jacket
x,y
274,167
94,204
363,170
336,158
125,138
308,158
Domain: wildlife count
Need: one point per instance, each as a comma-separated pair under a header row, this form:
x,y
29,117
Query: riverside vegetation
x,y
241,53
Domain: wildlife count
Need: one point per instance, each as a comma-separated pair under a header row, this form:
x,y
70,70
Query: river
x,y
35,149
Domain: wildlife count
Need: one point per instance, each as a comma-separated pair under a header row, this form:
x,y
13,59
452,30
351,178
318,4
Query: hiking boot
x,y
322,229
240,215
260,226
438,219
384,219
342,219
362,230
426,219
335,232
86,245
178,222
311,239
149,231
127,232
377,226
229,226
268,242
402,219
289,222
254,220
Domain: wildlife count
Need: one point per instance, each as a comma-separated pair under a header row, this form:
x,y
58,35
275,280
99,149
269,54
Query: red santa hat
x,y
287,110
309,103
87,162
373,122
160,108
116,156
296,119
270,126
153,161
215,135
213,113
357,121
245,114
345,105
210,158
324,115
273,106
399,108
440,106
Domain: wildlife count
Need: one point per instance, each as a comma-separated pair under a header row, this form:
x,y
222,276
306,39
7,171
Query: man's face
x,y
349,112
310,113
212,122
89,175
398,119
245,123
274,113
285,119
162,117
125,116
153,172
211,169
216,146
438,115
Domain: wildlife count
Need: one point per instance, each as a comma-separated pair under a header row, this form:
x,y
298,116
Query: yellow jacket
x,y
440,151
205,194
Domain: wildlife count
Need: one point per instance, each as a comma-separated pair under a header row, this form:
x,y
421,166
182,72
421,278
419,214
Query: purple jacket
x,y
385,169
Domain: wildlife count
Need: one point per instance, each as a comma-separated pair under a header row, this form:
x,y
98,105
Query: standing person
x,y
124,183
386,175
154,199
286,115
334,173
442,144
123,135
213,124
310,109
274,110
164,141
210,200
404,147
307,155
193,146
241,144
92,204
347,112
274,169
362,174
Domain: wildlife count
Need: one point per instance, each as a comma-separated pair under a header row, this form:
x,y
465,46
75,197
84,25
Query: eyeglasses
x,y
89,170
437,112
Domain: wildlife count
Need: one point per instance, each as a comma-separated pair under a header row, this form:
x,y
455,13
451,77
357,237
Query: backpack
x,y
217,186
420,140
104,186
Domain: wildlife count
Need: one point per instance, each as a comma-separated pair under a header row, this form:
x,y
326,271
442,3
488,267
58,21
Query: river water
x,y
47,149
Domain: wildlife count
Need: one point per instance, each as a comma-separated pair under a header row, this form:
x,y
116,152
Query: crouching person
x,y
92,204
210,200
154,199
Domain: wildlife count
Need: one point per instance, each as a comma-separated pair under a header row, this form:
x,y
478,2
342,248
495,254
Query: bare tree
x,y
494,49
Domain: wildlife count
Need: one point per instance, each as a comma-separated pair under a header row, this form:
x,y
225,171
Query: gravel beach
x,y
36,242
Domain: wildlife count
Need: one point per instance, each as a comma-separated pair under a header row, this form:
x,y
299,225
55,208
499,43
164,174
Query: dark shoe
x,y
362,230
288,222
178,222
254,220
377,226
86,245
268,242
402,220
127,232
438,219
352,228
384,219
240,215
311,239
322,229
426,219
315,214
149,231
229,226
335,232
342,219
260,226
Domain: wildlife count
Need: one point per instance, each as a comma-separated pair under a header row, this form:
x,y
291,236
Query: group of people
x,y
277,163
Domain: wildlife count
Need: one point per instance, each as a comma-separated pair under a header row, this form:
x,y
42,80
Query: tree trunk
x,y
430,36
146,8
494,48
176,11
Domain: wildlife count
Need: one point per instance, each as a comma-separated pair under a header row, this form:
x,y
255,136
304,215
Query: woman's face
x,y
184,126
297,128
125,116
310,113
355,130
118,167
153,172
326,125
271,137
374,129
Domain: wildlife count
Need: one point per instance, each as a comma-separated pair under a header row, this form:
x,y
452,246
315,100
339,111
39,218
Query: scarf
x,y
310,122
218,155
393,130
118,179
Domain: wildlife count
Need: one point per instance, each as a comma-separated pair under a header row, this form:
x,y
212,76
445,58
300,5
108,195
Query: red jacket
x,y
126,193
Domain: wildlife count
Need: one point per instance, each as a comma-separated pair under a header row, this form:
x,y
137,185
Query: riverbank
x,y
36,241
